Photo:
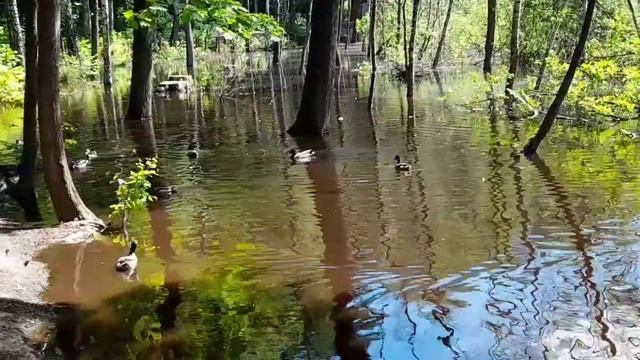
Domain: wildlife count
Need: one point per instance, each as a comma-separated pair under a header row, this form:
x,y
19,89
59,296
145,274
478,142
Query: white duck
x,y
91,154
80,164
302,157
128,264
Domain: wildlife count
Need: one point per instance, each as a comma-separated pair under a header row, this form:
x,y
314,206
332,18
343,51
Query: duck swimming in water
x,y
401,166
128,264
192,151
91,154
80,164
302,157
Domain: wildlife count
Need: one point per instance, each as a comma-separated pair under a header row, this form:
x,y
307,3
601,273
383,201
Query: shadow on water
x,y
476,253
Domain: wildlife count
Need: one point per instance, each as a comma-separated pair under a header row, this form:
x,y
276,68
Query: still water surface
x,y
476,254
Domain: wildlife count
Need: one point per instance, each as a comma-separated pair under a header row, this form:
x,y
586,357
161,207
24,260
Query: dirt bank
x,y
24,316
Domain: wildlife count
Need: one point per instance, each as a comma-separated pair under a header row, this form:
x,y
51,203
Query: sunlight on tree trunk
x,y
107,78
191,59
547,122
66,200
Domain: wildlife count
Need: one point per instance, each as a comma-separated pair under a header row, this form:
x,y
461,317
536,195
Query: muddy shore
x,y
25,318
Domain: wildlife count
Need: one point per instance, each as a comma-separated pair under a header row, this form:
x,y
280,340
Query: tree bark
x,y
175,24
404,34
398,21
84,19
107,78
15,31
412,45
66,200
70,33
547,122
142,63
633,16
317,92
514,53
490,37
372,45
305,48
95,31
443,35
26,185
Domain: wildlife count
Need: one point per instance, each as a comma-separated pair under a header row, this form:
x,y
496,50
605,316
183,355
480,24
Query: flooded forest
x,y
319,179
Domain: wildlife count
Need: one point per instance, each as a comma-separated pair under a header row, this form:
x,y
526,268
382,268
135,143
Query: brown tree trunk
x,y
490,37
142,63
175,24
412,45
26,188
15,31
514,53
95,26
107,78
633,16
443,35
404,34
547,122
315,105
84,19
66,200
191,59
70,32
305,48
398,21
372,45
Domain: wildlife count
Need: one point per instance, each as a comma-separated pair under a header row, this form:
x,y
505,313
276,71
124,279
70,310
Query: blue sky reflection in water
x,y
477,254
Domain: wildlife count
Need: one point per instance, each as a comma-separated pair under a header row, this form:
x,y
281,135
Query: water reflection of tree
x,y
337,254
582,244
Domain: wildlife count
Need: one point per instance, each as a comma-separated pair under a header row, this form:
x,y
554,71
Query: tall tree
x,y
514,45
317,91
443,35
95,26
142,63
66,200
552,113
70,32
29,155
107,78
84,18
191,59
15,31
412,46
550,44
355,13
172,10
490,37
372,45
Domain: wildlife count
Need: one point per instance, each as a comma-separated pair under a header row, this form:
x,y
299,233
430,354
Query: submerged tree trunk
x,y
191,59
15,31
142,63
305,48
70,33
26,187
490,37
317,92
66,200
275,47
107,68
514,47
443,35
412,45
547,122
95,30
372,45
